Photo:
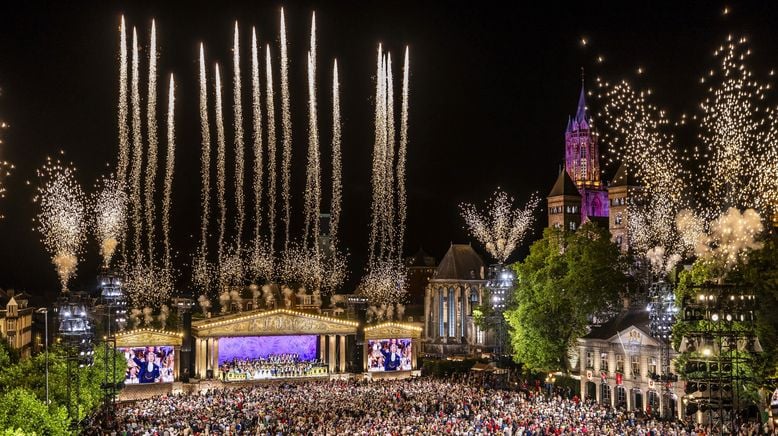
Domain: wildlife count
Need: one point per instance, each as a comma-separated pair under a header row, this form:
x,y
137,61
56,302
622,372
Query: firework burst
x,y
62,217
109,206
502,227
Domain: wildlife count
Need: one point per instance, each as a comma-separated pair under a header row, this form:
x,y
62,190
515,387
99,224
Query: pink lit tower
x,y
582,162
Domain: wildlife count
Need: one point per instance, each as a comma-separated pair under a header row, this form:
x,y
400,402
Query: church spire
x,y
580,113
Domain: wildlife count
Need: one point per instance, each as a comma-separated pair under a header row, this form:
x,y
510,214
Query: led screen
x,y
389,355
151,364
255,347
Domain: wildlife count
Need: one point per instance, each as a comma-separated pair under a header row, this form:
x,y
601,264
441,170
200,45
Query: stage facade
x,y
276,332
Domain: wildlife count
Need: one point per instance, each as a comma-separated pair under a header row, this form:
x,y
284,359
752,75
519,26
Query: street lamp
x,y
45,312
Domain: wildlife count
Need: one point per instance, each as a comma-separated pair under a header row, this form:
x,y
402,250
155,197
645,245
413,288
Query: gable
x,y
633,336
148,337
273,322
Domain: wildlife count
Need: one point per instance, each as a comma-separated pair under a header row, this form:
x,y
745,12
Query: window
x,y
479,335
604,362
619,218
620,363
635,366
619,240
572,225
11,324
652,365
589,359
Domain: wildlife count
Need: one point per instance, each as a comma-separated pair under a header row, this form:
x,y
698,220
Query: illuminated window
x,y
619,218
635,365
620,363
652,365
604,362
572,225
589,359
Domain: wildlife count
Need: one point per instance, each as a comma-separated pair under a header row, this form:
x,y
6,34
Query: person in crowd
x,y
459,405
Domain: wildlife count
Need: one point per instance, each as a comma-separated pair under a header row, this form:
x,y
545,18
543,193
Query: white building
x,y
620,365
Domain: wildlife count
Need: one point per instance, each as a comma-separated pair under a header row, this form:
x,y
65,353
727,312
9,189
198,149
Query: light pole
x,y
45,312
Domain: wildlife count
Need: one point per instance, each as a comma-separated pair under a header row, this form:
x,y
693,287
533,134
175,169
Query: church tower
x,y
582,162
621,194
564,204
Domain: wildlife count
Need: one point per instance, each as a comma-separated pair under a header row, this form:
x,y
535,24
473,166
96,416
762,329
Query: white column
x,y
342,352
331,354
322,348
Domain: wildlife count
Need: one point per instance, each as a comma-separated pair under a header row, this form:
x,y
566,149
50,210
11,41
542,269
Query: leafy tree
x,y
565,280
24,413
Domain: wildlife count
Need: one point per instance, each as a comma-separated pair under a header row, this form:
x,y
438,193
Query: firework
x,y
286,120
313,173
147,285
737,161
220,165
385,277
123,110
110,211
739,134
5,166
731,237
256,111
271,150
337,186
200,267
61,218
378,163
137,154
238,130
402,155
169,166
388,171
385,282
151,126
502,227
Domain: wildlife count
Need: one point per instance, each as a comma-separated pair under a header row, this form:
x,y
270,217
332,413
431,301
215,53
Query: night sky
x,y
492,85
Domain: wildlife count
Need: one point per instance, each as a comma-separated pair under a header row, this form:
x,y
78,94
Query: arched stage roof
x,y
272,322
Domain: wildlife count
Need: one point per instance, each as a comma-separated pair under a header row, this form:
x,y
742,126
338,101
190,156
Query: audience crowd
x,y
392,407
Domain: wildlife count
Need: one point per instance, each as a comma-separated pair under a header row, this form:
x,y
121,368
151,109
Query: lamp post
x,y
45,312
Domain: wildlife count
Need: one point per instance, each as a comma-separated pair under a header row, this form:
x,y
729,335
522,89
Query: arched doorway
x,y
670,409
637,399
591,390
653,403
605,394
621,397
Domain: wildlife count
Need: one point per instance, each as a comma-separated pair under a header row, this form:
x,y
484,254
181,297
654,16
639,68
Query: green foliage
x,y
86,390
761,275
566,279
22,411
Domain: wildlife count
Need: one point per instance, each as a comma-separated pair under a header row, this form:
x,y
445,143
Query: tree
x,y
565,280
22,412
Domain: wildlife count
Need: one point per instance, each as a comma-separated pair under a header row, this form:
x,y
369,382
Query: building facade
x,y
620,365
456,287
16,322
